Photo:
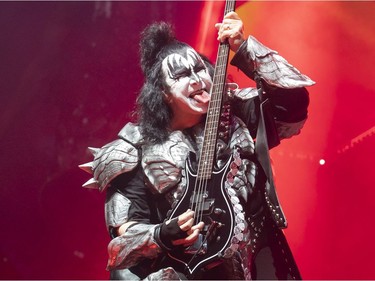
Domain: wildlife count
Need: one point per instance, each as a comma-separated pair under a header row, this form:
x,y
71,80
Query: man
x,y
144,172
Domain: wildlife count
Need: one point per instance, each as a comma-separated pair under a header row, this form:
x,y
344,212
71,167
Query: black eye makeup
x,y
199,67
179,67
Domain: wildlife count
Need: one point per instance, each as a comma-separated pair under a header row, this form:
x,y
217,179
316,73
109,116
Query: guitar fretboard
x,y
207,156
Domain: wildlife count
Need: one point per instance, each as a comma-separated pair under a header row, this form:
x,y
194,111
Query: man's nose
x,y
194,78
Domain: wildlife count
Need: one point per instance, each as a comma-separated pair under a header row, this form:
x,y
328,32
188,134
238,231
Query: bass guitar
x,y
208,191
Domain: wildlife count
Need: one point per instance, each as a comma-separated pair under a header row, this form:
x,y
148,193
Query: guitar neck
x,y
207,157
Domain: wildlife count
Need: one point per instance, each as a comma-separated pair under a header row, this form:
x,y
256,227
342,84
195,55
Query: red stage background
x,y
69,77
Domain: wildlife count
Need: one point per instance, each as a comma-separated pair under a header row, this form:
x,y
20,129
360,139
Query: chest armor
x,y
164,167
164,164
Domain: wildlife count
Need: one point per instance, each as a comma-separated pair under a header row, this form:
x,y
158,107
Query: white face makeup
x,y
189,85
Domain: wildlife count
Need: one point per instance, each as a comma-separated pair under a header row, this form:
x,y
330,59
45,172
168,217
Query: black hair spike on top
x,y
153,38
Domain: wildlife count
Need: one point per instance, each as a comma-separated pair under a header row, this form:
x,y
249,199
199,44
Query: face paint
x,y
189,84
178,66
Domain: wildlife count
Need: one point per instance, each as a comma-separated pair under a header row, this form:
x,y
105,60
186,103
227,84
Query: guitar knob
x,y
220,225
218,211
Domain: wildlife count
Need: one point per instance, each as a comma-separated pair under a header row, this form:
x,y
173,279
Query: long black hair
x,y
154,114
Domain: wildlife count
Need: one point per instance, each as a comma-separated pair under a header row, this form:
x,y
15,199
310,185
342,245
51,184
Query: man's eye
x,y
180,75
199,68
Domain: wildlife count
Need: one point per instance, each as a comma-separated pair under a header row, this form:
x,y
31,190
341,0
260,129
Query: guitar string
x,y
209,140
200,189
222,58
212,123
229,6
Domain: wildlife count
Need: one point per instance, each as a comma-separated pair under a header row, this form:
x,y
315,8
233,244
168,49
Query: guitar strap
x,y
267,138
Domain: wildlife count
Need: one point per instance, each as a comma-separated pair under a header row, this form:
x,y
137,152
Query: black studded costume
x,y
142,181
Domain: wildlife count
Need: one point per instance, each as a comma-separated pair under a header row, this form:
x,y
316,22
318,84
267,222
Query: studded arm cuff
x,y
253,56
136,244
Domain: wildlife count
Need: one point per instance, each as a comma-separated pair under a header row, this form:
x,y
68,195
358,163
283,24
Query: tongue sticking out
x,y
204,97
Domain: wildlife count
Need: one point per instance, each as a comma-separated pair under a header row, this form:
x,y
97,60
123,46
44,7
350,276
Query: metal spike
x,y
101,188
94,150
91,183
87,167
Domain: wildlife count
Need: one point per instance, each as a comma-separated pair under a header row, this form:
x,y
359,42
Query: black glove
x,y
168,231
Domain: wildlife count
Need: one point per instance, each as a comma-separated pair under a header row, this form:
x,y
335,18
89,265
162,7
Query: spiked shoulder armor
x,y
115,158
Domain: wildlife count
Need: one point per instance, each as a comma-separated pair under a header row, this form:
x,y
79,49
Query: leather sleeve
x,y
288,108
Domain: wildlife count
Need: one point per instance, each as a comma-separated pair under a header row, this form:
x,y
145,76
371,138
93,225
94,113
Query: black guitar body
x,y
206,193
216,211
